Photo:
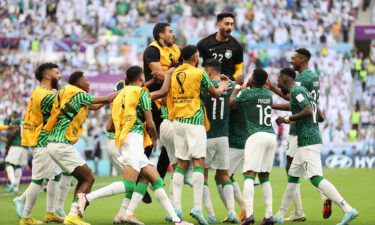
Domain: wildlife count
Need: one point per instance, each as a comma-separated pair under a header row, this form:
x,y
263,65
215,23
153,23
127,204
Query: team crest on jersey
x,y
228,54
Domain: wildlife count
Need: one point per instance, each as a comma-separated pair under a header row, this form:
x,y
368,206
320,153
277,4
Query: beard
x,y
285,92
225,33
55,84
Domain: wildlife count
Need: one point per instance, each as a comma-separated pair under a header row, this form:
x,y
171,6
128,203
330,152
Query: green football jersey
x,y
164,112
17,136
237,134
144,104
257,104
307,129
110,135
310,81
218,111
46,107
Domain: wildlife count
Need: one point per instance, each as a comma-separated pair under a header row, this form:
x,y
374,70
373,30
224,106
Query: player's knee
x,y
293,179
57,177
129,188
38,182
158,184
316,180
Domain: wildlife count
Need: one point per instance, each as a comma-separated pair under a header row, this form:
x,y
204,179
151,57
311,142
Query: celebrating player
x,y
223,47
217,143
261,143
68,113
306,161
185,107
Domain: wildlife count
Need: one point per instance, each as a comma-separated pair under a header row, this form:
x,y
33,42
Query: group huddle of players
x,y
203,119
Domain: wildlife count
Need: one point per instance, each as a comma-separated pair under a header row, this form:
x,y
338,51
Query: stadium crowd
x,y
30,27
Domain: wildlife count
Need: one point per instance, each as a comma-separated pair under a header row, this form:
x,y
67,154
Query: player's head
x,y
260,77
300,57
49,72
134,74
225,23
163,33
190,54
286,77
212,67
77,78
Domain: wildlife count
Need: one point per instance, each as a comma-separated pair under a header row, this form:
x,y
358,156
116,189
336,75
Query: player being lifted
x,y
217,156
186,109
223,47
307,160
260,145
65,126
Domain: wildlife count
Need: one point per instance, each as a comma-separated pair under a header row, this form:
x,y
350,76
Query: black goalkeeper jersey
x,y
229,53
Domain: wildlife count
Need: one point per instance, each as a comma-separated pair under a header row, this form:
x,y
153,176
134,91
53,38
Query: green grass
x,y
356,185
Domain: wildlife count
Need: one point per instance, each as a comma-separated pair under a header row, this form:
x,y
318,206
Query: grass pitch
x,y
357,186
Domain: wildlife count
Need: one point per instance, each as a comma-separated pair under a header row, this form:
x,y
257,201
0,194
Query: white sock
x,y
51,195
267,198
229,197
10,173
238,195
162,198
289,194
109,190
207,201
332,193
123,207
178,182
63,191
133,204
22,198
297,201
18,175
248,193
31,193
322,195
74,209
198,183
221,195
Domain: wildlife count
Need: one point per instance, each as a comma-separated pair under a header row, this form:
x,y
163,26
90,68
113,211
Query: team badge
x,y
228,54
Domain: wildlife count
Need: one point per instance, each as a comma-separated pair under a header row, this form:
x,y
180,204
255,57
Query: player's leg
x,y
11,161
298,214
198,185
17,176
114,153
207,199
178,182
9,168
62,193
315,173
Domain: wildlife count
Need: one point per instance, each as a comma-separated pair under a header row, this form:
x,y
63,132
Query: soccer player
x,y
309,80
131,114
159,57
17,154
307,160
260,145
217,157
190,140
68,113
223,47
37,114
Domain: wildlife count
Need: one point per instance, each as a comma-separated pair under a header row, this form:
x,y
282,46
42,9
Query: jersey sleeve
x,y
17,121
151,54
47,102
206,82
85,99
145,101
300,97
238,56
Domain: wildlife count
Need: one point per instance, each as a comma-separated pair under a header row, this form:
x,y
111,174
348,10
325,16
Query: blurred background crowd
x,y
107,36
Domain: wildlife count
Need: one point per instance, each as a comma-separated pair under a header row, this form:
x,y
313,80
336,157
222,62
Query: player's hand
x,y
154,144
249,82
224,78
280,120
14,127
224,85
158,75
268,85
171,70
240,80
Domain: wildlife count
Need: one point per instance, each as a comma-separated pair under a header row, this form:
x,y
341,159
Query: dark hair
x,y
159,28
304,52
133,73
223,15
40,71
288,72
188,51
74,77
260,77
214,64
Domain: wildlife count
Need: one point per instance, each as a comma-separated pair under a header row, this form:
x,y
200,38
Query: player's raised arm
x,y
276,91
239,83
104,99
282,107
